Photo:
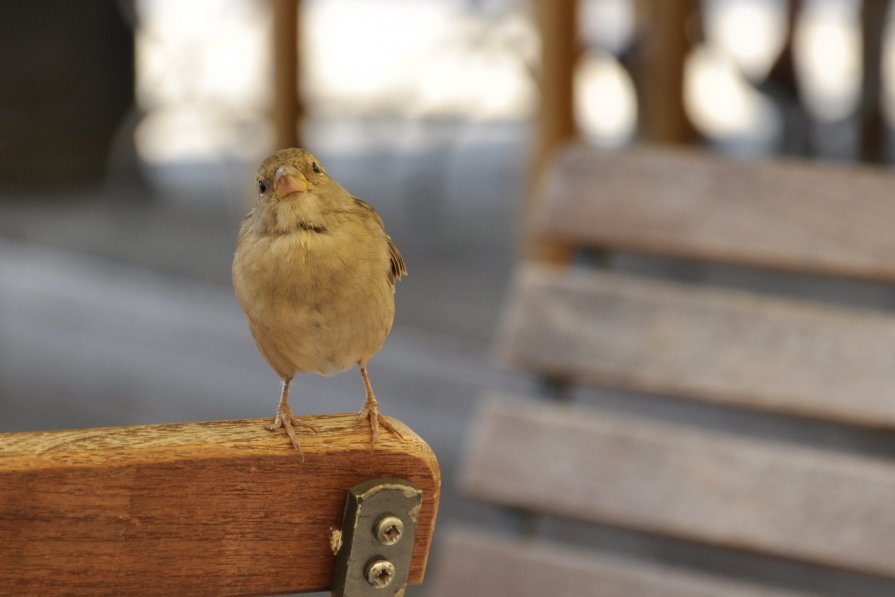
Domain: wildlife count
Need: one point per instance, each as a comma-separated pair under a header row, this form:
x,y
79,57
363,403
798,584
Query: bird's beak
x,y
289,180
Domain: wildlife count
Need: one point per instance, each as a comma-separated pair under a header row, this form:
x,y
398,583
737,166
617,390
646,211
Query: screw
x,y
389,529
380,573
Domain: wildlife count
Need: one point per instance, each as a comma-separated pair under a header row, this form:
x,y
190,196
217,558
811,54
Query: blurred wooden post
x,y
215,508
557,22
287,109
558,27
873,121
660,80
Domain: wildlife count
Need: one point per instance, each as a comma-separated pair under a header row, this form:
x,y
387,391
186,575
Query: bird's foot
x,y
286,420
370,412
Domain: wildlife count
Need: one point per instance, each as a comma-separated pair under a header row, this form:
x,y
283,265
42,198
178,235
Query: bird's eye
x,y
262,187
315,167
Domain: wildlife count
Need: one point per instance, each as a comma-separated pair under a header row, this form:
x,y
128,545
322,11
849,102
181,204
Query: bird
x,y
314,272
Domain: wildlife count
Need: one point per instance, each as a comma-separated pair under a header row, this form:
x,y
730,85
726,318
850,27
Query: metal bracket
x,y
374,548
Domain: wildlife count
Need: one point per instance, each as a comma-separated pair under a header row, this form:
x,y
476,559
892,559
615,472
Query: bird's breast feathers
x,y
302,268
316,301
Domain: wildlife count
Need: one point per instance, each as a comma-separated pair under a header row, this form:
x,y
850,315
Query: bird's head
x,y
295,190
290,174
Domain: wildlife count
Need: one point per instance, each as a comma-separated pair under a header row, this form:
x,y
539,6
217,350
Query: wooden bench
x,y
740,421
219,508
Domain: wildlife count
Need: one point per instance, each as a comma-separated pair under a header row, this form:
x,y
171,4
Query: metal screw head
x,y
380,573
389,530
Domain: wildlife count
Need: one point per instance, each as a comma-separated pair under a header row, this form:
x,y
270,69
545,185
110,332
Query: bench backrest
x,y
738,351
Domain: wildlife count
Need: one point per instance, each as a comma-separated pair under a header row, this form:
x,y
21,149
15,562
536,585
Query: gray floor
x,y
116,309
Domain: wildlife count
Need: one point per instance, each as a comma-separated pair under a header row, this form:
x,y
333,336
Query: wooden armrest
x,y
223,507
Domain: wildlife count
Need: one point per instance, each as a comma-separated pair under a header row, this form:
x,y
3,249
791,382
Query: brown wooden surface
x,y
812,505
782,214
220,508
717,345
557,22
659,76
473,563
286,108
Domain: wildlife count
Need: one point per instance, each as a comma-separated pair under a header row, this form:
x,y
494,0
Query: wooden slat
x,y
472,563
223,508
788,215
718,345
812,505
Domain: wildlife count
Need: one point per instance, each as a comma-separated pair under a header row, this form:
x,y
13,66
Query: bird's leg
x,y
282,408
370,411
287,420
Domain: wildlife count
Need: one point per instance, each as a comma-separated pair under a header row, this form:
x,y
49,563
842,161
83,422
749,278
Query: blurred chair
x,y
778,496
218,508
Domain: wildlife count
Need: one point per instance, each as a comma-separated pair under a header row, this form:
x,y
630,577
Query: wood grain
x,y
474,563
717,345
218,508
784,214
784,500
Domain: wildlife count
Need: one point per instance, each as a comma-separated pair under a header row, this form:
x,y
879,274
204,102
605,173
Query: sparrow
x,y
315,273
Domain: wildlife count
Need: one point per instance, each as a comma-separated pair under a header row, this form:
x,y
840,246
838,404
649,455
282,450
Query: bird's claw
x,y
296,422
286,420
370,412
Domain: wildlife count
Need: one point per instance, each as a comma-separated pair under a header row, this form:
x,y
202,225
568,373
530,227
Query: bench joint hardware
x,y
374,547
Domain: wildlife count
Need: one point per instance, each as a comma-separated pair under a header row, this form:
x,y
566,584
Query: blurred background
x,y
130,132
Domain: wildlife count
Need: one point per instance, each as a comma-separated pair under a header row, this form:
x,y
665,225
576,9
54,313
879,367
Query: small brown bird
x,y
315,273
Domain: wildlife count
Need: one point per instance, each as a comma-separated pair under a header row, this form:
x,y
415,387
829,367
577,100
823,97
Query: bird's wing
x,y
398,268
